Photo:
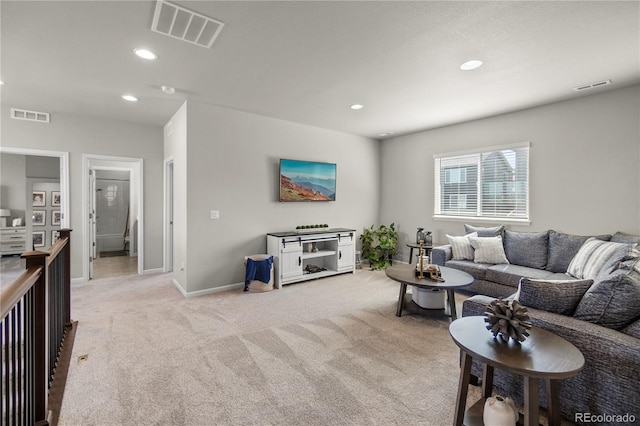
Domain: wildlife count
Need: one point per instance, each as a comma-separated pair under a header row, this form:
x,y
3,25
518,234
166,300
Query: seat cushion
x,y
477,270
527,248
511,274
558,276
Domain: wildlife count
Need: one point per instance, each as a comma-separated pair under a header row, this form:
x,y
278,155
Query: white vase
x,y
499,411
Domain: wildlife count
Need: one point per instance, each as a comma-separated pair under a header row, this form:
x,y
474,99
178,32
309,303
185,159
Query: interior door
x,y
92,221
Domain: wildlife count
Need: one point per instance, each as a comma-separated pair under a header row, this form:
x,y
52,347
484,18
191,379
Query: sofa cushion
x,y
477,270
495,231
561,297
597,255
633,329
461,247
527,248
511,274
563,248
621,237
614,299
488,250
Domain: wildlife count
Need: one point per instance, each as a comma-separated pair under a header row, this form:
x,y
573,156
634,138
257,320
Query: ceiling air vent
x,y
592,85
183,24
23,114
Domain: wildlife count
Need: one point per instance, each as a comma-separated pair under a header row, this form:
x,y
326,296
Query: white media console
x,y
306,255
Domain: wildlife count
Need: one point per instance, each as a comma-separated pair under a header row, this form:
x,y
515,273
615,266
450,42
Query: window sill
x,y
474,219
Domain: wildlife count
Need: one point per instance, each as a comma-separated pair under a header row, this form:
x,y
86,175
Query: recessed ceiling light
x,y
145,54
168,90
130,98
356,106
471,65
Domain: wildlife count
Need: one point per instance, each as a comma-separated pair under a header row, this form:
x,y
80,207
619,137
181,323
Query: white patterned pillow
x,y
488,250
461,247
596,255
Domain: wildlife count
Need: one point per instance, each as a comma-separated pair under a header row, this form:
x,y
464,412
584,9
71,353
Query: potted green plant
x,y
379,245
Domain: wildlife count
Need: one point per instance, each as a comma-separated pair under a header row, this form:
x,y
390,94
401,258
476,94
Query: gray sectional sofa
x,y
599,315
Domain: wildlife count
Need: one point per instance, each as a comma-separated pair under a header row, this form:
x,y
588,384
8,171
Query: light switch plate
x,y
214,214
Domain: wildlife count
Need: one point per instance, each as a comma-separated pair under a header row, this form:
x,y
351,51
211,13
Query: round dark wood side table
x,y
543,355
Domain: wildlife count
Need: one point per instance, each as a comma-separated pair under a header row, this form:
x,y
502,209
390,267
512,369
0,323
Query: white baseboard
x,y
153,271
77,281
198,293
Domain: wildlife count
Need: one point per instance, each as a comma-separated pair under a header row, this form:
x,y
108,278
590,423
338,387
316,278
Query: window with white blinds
x,y
492,184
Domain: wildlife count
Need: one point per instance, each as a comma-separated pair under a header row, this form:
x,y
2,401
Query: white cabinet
x,y
13,240
310,255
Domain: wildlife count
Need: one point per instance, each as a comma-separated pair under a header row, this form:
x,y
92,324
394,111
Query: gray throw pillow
x,y
563,248
613,300
527,248
621,237
495,231
560,297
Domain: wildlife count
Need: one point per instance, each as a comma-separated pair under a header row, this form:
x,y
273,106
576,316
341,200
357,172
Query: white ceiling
x,y
308,61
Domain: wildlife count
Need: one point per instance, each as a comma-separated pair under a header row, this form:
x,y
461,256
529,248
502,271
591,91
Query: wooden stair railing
x,y
36,337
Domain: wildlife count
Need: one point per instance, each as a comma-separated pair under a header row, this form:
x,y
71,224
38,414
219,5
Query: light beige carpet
x,y
324,352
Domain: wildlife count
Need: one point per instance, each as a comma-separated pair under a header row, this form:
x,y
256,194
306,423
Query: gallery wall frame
x,y
38,238
39,198
39,217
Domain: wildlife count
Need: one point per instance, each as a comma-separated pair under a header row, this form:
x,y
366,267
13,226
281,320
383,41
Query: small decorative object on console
x,y
507,319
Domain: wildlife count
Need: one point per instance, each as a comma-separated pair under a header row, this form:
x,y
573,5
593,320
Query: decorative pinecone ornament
x,y
507,320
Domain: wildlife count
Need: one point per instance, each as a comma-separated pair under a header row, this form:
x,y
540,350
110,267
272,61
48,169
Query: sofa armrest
x,y
441,254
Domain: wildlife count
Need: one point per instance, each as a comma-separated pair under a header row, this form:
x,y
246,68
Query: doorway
x,y
113,216
115,254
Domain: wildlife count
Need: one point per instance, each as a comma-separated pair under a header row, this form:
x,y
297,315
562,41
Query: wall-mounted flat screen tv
x,y
307,181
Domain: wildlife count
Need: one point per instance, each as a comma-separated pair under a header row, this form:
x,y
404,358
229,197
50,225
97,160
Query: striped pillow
x,y
461,247
596,255
488,250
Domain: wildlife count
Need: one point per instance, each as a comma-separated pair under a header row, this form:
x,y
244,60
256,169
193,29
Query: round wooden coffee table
x,y
405,275
543,355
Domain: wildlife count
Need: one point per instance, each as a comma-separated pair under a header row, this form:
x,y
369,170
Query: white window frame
x,y
479,218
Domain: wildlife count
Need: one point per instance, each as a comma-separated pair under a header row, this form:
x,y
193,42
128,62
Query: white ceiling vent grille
x,y
23,114
592,85
183,24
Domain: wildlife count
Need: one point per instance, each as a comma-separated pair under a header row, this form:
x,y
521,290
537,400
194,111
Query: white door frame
x,y
168,250
65,221
135,166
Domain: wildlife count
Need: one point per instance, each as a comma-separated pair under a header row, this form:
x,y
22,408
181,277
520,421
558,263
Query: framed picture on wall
x,y
55,198
56,217
39,217
38,238
55,236
39,198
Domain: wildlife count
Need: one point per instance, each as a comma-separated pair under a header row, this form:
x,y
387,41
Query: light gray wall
x,y
80,134
42,167
584,166
233,167
13,185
